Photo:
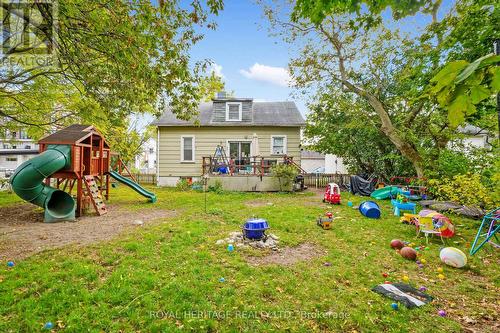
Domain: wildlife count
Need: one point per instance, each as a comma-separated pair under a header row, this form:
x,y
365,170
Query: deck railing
x,y
255,165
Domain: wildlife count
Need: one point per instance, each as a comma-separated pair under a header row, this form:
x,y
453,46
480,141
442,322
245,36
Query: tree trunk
x,y
406,149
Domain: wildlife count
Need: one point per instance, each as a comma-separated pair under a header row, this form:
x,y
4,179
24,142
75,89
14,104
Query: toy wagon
x,y
332,194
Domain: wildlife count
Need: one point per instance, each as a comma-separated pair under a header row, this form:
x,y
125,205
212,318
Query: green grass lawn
x,y
165,277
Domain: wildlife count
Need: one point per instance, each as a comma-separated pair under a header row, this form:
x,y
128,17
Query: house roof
x,y
472,130
264,114
309,154
71,135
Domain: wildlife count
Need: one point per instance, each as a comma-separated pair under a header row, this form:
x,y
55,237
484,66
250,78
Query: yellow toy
x,y
409,218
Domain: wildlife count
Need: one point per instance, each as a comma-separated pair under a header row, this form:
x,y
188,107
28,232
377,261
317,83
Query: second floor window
x,y
233,111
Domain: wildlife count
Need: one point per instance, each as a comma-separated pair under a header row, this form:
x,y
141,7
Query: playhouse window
x,y
187,149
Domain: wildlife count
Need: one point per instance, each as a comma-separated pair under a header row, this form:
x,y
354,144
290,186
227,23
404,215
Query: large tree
x,y
126,56
343,46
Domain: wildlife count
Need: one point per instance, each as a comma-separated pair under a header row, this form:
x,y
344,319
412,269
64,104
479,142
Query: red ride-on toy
x,y
332,194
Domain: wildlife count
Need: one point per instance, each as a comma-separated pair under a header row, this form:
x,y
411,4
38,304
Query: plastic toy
x,y
395,306
453,257
349,203
422,289
406,278
222,279
441,276
408,253
332,194
48,326
385,275
400,205
397,244
76,158
439,225
491,221
442,313
409,219
385,192
370,209
325,222
439,269
230,247
10,264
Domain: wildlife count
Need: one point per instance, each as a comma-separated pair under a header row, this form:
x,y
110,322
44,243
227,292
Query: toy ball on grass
x,y
10,264
442,313
349,203
395,306
397,244
453,257
408,253
48,325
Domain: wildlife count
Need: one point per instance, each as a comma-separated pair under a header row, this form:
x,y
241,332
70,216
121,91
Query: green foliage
x,y
285,173
337,125
216,187
171,266
459,86
318,10
451,163
182,185
113,57
345,48
466,189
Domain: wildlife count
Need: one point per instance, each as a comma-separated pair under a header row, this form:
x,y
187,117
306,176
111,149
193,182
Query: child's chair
x,y
427,227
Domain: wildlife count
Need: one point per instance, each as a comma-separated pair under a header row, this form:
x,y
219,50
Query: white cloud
x,y
217,70
275,75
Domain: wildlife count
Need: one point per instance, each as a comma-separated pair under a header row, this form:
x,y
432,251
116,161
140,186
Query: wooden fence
x,y
310,179
145,178
320,180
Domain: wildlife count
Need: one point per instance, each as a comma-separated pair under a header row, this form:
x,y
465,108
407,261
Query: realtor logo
x,y
27,27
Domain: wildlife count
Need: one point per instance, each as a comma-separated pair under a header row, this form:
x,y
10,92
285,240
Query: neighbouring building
x,y
314,162
233,140
145,161
475,137
16,147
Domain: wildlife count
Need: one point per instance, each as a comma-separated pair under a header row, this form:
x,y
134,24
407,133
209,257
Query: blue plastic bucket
x,y
255,228
370,209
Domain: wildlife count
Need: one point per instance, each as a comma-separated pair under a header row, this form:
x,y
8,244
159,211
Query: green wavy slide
x,y
27,183
133,185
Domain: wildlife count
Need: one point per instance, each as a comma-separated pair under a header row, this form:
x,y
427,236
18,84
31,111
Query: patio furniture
x,y
426,226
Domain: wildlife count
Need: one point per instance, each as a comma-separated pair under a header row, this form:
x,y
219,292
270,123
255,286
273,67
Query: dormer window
x,y
233,111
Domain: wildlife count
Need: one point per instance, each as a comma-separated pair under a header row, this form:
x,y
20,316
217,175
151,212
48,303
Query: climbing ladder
x,y
95,195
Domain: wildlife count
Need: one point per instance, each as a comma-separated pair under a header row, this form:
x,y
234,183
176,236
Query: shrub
x,y
463,189
216,187
286,174
182,185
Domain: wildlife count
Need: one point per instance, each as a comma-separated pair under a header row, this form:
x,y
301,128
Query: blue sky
x,y
252,63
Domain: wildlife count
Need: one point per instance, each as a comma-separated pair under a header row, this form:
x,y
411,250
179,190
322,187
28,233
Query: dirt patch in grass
x,y
258,203
23,232
289,255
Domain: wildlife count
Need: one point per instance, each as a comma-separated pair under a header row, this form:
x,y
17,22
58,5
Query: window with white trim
x,y
187,148
233,111
278,145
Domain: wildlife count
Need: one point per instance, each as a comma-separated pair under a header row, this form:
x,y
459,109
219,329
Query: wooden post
x,y
79,197
107,187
